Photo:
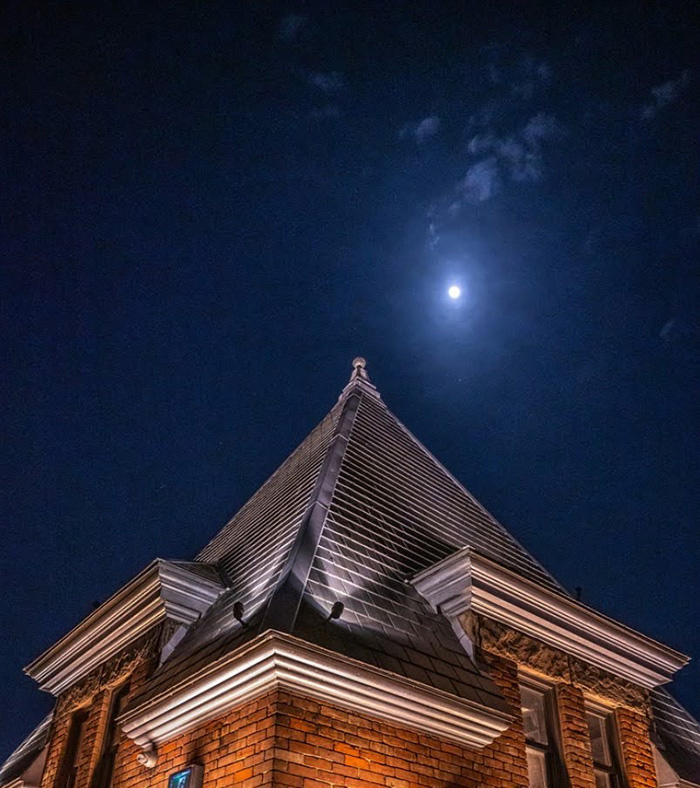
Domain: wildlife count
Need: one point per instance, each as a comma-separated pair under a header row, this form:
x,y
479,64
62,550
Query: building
x,y
361,621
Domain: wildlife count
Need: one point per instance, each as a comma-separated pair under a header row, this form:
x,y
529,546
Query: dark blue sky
x,y
208,210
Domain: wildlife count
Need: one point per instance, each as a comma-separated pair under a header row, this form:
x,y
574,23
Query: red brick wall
x,y
96,701
288,740
235,750
319,745
575,739
284,740
635,746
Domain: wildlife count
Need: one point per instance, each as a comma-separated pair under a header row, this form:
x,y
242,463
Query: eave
x,y
164,590
467,581
277,660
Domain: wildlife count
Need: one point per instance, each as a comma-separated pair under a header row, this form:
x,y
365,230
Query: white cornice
x,y
163,590
275,660
466,581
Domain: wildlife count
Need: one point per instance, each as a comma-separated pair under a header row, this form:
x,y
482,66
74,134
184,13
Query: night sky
x,y
209,208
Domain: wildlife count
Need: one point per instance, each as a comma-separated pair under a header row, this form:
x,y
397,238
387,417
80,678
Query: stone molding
x,y
554,665
467,581
163,591
278,661
112,673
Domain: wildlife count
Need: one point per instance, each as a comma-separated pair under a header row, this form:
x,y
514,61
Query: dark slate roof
x,y
358,508
677,735
27,752
251,549
211,572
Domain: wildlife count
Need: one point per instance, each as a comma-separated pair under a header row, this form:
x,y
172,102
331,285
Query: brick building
x,y
361,621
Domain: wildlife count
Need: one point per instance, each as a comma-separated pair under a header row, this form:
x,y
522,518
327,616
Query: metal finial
x,y
360,378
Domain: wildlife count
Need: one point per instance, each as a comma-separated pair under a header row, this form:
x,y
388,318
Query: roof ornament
x,y
360,379
359,367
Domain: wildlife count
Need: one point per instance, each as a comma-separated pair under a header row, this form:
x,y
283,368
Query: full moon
x,y
454,292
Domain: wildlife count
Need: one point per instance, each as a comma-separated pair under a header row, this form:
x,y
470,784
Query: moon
x,y
454,292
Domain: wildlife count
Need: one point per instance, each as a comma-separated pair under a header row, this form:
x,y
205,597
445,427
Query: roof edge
x,y
163,590
276,660
468,581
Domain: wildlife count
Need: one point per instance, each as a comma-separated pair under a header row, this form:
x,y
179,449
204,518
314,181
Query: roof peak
x,y
359,379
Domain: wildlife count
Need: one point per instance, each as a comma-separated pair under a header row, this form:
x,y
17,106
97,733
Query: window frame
x,y
70,759
555,767
614,772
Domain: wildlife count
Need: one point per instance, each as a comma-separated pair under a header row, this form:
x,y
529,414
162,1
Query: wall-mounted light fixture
x,y
148,758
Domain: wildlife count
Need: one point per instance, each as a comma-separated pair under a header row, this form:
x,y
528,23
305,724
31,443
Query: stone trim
x,y
112,673
165,590
279,661
553,665
467,581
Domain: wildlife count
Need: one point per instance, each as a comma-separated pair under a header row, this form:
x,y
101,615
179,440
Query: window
x,y
105,767
71,755
605,762
544,764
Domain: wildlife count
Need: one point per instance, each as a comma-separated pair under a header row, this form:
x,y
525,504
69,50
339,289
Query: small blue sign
x,y
191,777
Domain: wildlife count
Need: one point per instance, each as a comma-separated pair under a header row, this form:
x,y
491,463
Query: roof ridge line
x,y
478,503
283,603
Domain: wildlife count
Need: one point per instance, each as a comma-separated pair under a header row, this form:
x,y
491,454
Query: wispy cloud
x,y
327,82
482,181
680,329
518,157
510,139
422,130
293,27
523,76
326,112
532,77
664,95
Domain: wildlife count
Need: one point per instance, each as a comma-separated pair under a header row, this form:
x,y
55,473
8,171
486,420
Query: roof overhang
x,y
164,590
276,660
467,581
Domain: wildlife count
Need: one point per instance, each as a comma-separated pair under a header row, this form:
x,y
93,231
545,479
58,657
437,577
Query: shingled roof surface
x,y
354,512
27,752
677,735
357,509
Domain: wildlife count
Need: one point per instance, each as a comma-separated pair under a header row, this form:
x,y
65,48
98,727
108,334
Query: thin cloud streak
x,y
664,95
519,157
327,82
292,28
422,130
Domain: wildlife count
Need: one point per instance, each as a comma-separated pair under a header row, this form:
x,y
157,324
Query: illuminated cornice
x,y
466,581
276,660
163,590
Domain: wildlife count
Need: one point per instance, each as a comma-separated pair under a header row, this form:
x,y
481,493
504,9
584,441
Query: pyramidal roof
x,y
357,509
